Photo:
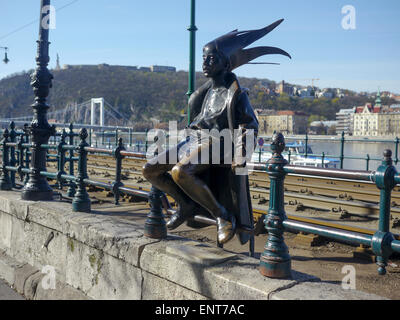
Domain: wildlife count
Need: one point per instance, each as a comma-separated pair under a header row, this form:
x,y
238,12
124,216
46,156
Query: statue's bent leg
x,y
157,174
185,174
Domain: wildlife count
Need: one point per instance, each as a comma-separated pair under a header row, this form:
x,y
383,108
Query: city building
x,y
286,122
145,69
306,93
323,127
283,87
345,119
376,120
325,93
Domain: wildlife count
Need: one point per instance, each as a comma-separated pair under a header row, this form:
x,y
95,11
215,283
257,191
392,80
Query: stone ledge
x,y
102,257
321,291
235,279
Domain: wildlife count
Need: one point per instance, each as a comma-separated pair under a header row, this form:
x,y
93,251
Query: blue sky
x,y
142,33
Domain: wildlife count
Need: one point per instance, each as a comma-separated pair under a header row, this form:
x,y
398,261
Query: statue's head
x,y
214,61
229,49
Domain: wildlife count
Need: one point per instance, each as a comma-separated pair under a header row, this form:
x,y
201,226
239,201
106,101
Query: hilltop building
x,y
58,67
155,68
287,122
306,93
283,87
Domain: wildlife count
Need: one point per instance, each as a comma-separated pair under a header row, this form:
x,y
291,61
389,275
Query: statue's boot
x,y
226,226
184,211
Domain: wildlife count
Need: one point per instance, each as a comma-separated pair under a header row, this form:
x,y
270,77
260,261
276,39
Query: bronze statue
x,y
203,187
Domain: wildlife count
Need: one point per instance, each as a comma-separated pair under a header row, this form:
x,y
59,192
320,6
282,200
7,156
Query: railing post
x,y
289,155
275,261
20,157
102,137
13,161
81,201
396,155
61,159
130,137
116,137
90,137
71,186
342,150
382,239
146,144
5,183
306,146
118,168
367,162
259,154
27,152
155,226
323,159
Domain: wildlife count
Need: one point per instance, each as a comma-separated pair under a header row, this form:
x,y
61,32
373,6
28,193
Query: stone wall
x,y
96,256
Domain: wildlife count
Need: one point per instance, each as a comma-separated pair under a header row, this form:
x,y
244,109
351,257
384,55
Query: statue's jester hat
x,y
233,43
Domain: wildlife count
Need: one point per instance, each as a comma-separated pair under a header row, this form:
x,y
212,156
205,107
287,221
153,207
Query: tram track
x,y
334,196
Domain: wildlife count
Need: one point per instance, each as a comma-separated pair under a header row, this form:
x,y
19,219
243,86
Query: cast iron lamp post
x,y
40,131
192,47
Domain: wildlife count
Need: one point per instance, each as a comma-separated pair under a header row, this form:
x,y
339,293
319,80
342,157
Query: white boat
x,y
295,154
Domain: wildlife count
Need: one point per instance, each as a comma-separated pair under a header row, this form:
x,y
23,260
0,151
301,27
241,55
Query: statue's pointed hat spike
x,y
233,43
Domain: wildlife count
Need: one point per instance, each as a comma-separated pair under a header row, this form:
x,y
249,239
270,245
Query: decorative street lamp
x,y
192,47
5,60
39,130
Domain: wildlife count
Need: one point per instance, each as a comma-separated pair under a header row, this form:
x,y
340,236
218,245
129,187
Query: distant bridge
x,y
96,111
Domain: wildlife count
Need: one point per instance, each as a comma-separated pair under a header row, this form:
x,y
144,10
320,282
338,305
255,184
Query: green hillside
x,y
144,96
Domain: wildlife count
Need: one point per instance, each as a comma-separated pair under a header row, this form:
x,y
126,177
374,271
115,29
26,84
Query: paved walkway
x,y
6,293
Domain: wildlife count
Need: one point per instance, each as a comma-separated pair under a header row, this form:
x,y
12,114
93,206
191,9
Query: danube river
x,y
359,149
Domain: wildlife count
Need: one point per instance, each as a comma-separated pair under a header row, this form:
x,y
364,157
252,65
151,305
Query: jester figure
x,y
193,179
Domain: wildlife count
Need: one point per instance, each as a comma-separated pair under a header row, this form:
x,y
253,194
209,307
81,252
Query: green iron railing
x,y
275,260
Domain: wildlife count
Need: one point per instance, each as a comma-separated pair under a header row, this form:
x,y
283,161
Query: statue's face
x,y
213,62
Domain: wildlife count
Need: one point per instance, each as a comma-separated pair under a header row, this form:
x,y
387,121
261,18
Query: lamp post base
x,y
37,195
38,190
275,269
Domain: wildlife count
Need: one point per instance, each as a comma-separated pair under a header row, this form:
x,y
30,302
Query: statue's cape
x,y
236,199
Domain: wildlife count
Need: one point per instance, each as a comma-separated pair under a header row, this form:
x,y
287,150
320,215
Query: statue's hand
x,y
237,165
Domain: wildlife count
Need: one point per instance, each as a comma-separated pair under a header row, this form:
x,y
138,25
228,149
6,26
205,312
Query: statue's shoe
x,y
226,229
176,220
180,216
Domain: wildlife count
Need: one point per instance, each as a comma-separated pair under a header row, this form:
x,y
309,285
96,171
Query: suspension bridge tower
x,y
94,103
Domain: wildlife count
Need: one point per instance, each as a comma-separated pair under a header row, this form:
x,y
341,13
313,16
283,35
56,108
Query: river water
x,y
359,149
330,145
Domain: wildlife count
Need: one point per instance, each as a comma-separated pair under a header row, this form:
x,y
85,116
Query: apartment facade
x,y
286,122
345,121
376,121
